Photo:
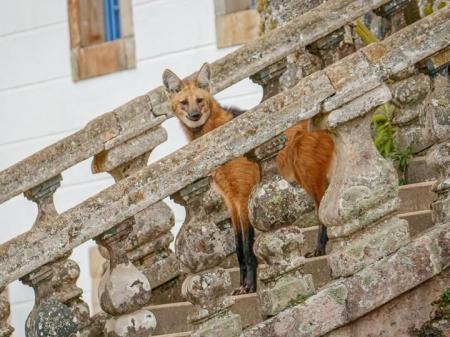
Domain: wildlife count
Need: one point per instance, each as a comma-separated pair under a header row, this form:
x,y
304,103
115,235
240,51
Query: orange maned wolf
x,y
305,159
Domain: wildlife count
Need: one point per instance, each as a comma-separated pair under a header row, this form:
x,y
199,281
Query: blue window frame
x,y
112,19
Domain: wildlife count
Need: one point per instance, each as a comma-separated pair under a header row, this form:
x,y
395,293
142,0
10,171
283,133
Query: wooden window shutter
x,y
91,54
237,22
92,22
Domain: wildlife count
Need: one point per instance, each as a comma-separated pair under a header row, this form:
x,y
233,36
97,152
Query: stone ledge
x,y
345,300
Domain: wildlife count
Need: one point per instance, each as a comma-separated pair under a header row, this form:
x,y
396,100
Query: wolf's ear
x,y
204,77
171,81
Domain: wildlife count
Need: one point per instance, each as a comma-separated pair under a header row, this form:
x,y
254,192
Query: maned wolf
x,y
306,160
199,113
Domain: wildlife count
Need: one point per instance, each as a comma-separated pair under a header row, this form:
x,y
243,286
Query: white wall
x,y
39,103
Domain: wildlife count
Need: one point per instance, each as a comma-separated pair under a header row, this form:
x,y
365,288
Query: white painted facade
x,y
40,104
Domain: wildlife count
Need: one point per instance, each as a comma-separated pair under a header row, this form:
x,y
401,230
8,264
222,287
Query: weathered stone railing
x,y
150,110
109,216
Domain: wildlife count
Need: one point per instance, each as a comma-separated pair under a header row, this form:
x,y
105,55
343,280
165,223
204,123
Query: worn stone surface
x,y
436,112
277,203
363,187
170,174
281,250
132,148
54,283
407,94
223,325
399,316
201,244
138,324
148,244
351,255
200,247
356,108
53,319
124,290
5,329
422,116
346,300
439,156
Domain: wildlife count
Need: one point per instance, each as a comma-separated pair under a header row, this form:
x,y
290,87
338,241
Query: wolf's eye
x,y
184,102
199,100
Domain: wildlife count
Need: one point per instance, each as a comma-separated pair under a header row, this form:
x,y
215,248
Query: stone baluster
x,y
5,329
393,15
274,206
360,203
201,246
439,156
124,290
436,118
58,308
147,245
144,239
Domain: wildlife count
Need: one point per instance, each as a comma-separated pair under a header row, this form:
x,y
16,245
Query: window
x,y
101,37
237,22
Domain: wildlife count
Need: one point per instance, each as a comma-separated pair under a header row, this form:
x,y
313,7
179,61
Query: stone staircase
x,y
310,66
416,198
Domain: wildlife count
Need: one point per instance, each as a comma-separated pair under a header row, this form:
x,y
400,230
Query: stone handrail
x,y
145,112
319,92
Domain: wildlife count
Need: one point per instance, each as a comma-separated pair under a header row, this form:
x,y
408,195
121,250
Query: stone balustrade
x,y
58,309
5,329
201,246
339,98
150,110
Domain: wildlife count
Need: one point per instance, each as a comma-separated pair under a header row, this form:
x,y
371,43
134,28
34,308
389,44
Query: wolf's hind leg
x,y
322,239
250,258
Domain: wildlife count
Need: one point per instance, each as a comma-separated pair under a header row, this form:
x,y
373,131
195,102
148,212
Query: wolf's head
x,y
191,100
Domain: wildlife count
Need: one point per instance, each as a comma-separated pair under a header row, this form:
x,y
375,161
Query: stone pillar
x,y
362,198
274,206
58,310
436,117
144,238
147,245
439,156
5,329
201,246
408,95
124,290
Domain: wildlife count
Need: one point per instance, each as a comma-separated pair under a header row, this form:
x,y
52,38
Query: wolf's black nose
x,y
194,115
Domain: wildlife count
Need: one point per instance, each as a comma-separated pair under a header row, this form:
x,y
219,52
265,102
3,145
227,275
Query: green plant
x,y
384,140
382,120
444,304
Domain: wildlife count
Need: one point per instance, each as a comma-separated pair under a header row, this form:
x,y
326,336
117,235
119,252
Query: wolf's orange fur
x,y
306,159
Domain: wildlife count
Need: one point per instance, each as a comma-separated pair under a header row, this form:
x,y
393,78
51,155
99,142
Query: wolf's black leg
x,y
250,258
241,258
322,239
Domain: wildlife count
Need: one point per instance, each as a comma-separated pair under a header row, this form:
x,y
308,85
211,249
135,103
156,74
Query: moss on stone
x,y
338,294
300,299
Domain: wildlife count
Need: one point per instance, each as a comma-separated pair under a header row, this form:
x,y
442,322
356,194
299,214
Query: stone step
x,y
419,171
171,318
415,201
416,197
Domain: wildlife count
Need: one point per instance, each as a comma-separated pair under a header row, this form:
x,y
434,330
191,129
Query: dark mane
x,y
235,111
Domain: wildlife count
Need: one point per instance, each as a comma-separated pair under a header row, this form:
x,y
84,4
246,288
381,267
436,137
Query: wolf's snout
x,y
194,115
